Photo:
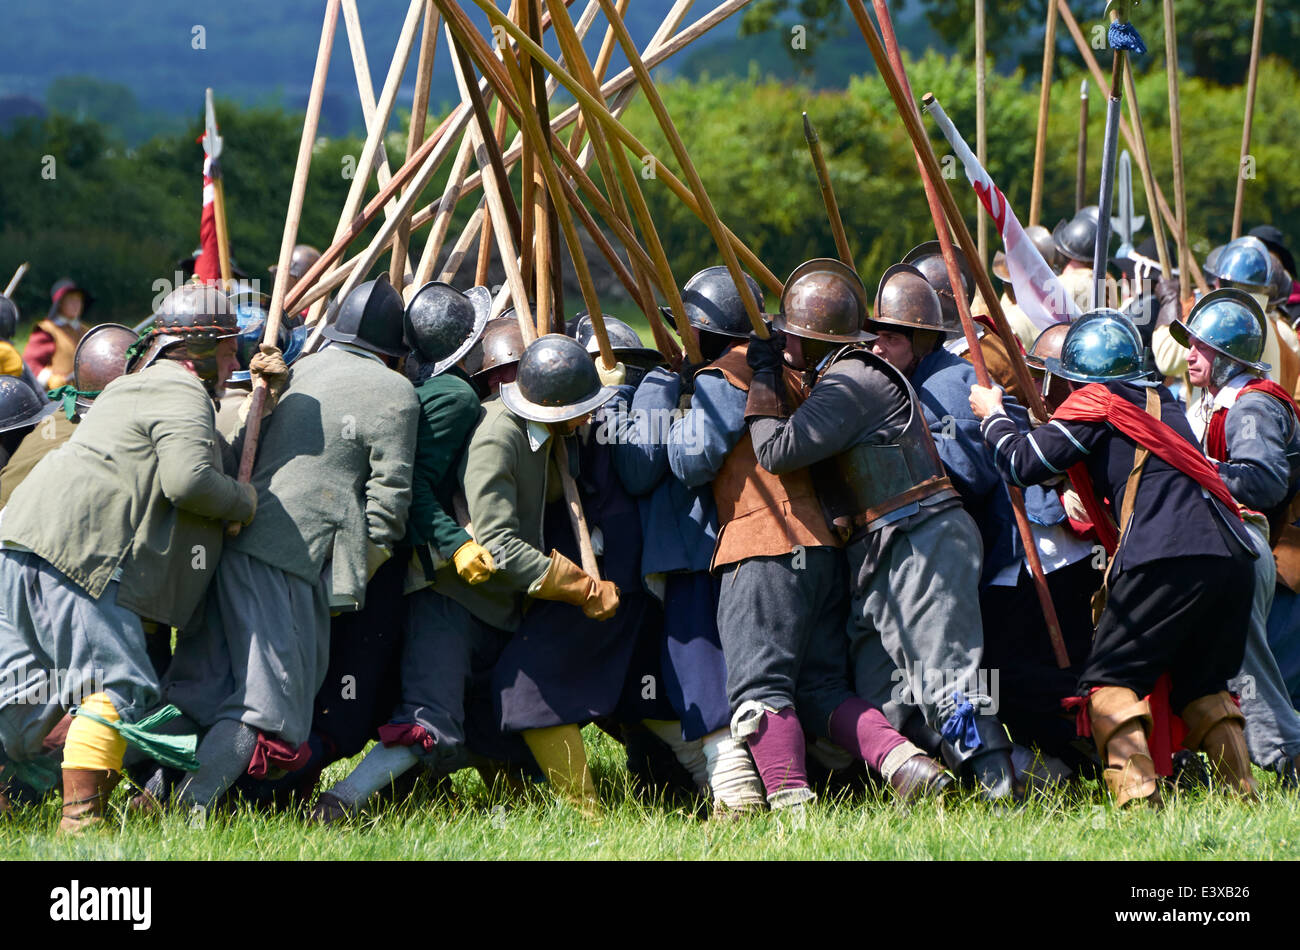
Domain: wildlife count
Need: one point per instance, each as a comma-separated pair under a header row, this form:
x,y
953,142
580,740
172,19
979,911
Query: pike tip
x,y
808,131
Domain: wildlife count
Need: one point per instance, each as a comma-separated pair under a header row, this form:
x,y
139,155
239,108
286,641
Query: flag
x,y
207,266
1039,293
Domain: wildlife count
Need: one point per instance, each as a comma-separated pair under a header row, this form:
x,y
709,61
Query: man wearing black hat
x,y
333,477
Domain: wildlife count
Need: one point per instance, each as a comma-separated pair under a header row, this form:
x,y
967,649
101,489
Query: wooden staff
x,y
1081,42
532,130
614,167
442,220
1044,101
415,133
944,213
683,193
366,93
477,221
496,186
602,64
1144,166
586,553
1109,148
828,193
1081,153
550,297
981,137
16,278
1251,79
298,191
1176,142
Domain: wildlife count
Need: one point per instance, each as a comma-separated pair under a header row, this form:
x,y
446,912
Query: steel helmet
x,y
905,299
301,259
371,317
928,259
20,405
623,340
823,299
1243,263
557,381
502,344
1047,344
441,324
1230,322
1076,239
8,318
713,303
1100,347
194,315
1279,281
99,359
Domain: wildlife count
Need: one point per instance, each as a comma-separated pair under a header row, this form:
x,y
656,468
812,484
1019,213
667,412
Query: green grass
x,y
474,823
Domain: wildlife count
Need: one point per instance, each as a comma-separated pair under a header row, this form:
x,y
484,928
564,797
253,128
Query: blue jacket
x,y
679,523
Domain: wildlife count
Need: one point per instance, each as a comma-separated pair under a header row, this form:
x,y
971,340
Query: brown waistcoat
x,y
65,346
761,514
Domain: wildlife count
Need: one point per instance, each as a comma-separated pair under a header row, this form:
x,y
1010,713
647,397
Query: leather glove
x,y
566,582
1168,289
765,399
251,494
766,355
687,373
268,363
473,562
611,377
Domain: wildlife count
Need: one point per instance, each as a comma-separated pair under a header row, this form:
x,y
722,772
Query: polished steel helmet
x,y
713,302
442,324
823,299
623,340
371,317
1102,346
502,344
905,299
99,359
194,315
1244,264
557,381
1230,322
1076,239
20,405
928,259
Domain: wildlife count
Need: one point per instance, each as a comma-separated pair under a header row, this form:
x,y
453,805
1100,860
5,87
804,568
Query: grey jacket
x,y
333,471
148,493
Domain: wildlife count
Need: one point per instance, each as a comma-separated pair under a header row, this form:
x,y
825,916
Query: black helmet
x,y
928,259
371,318
99,359
906,299
823,299
502,344
713,302
20,406
441,324
8,318
1076,239
557,381
1101,346
623,340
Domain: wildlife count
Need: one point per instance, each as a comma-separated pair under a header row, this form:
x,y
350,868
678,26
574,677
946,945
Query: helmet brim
x,y
481,299
779,323
352,339
35,418
1053,365
949,332
521,406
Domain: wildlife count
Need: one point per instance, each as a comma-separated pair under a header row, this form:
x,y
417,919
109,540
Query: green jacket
x,y
505,489
333,470
449,410
147,493
52,432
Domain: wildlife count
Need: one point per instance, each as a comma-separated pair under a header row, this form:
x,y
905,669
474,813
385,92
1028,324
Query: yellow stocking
x,y
563,760
91,745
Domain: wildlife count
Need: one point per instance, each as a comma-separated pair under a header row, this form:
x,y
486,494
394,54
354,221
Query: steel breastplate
x,y
862,486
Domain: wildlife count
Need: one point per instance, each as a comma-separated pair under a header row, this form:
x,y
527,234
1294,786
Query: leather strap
x,y
931,486
1126,508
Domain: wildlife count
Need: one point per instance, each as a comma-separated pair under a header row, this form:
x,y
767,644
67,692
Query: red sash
x,y
1096,403
1216,436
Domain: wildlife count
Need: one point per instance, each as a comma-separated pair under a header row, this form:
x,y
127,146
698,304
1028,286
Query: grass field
x,y
471,823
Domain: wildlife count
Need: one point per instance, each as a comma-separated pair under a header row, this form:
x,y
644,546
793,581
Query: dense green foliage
x,y
117,218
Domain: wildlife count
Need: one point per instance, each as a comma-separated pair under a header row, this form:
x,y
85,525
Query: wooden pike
x,y
415,133
598,108
257,400
1109,149
614,167
1252,79
1176,142
1044,101
1081,154
16,279
981,137
828,193
1144,166
945,216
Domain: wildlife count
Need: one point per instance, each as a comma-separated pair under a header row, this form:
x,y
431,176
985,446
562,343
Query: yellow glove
x,y
473,562
611,377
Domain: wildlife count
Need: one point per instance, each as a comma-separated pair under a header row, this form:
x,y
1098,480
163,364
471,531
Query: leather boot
x,y
1120,722
991,768
329,810
920,777
85,798
1215,727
